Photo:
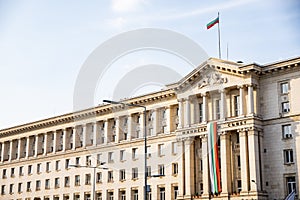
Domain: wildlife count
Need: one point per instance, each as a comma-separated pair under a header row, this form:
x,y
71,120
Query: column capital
x,y
180,100
251,85
240,86
204,94
222,90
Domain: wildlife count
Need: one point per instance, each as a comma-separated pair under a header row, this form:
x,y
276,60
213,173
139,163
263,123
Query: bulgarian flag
x,y
212,23
213,156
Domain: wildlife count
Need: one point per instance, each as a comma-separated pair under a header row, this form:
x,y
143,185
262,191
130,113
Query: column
x,y
241,88
19,148
244,161
205,167
155,121
250,100
95,133
84,135
74,138
27,147
45,143
168,118
204,100
36,145
117,129
181,168
254,168
105,131
142,129
10,150
64,132
187,113
180,113
2,153
222,104
54,141
129,128
189,167
225,164
192,109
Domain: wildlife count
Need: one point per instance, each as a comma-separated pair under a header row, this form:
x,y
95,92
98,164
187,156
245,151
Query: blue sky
x,y
43,44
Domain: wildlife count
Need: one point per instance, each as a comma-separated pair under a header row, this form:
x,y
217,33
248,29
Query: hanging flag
x,y
213,157
291,196
212,23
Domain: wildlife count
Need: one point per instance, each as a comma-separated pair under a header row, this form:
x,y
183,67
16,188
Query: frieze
x,y
213,78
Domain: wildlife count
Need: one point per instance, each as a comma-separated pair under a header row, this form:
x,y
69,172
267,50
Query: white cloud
x,y
126,5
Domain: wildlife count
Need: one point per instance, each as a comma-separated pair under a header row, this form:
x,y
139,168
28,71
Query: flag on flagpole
x,y
212,23
213,156
291,196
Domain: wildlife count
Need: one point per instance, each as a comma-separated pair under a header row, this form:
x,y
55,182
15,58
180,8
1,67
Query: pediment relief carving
x,y
212,78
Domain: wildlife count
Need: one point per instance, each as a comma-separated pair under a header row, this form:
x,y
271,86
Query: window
x,y
160,150
148,152
77,180
88,161
161,169
135,173
4,173
88,179
148,172
162,193
123,195
28,186
99,177
11,188
287,131
48,167
135,194
285,107
122,174
99,196
47,184
19,187
38,185
150,132
110,195
56,182
99,159
288,156
200,112
175,168
174,148
217,109
21,171
122,155
164,129
236,105
67,181
29,169
164,116
110,176
284,88
77,160
38,168
57,167
239,186
134,152
3,189
290,184
110,157
67,163
175,192
12,172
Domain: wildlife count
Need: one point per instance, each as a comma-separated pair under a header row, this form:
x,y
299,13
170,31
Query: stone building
x,y
256,107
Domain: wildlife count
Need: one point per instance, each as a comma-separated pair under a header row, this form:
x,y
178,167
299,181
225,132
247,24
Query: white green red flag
x,y
213,156
212,23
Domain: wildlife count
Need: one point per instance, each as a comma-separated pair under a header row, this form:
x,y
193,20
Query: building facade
x,y
257,109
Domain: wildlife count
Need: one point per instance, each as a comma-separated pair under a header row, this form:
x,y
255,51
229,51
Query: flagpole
x,y
219,37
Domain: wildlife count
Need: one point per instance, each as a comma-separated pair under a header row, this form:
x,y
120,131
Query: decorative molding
x,y
213,78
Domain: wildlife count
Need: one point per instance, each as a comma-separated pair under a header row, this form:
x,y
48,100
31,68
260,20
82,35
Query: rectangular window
x,y
99,196
99,177
48,167
160,149
284,88
290,184
67,163
134,153
164,129
123,195
122,174
110,195
28,188
110,176
285,107
4,173
88,179
19,187
77,180
175,168
12,172
174,148
11,188
29,169
38,168
122,155
288,156
56,182
135,194
88,161
148,172
57,165
175,192
239,186
21,171
162,193
3,189
134,173
47,184
110,157
236,104
287,131
200,112
67,181
217,109
38,185
161,169
77,161
148,152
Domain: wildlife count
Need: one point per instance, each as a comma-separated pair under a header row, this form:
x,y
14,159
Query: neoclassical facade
x,y
257,111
